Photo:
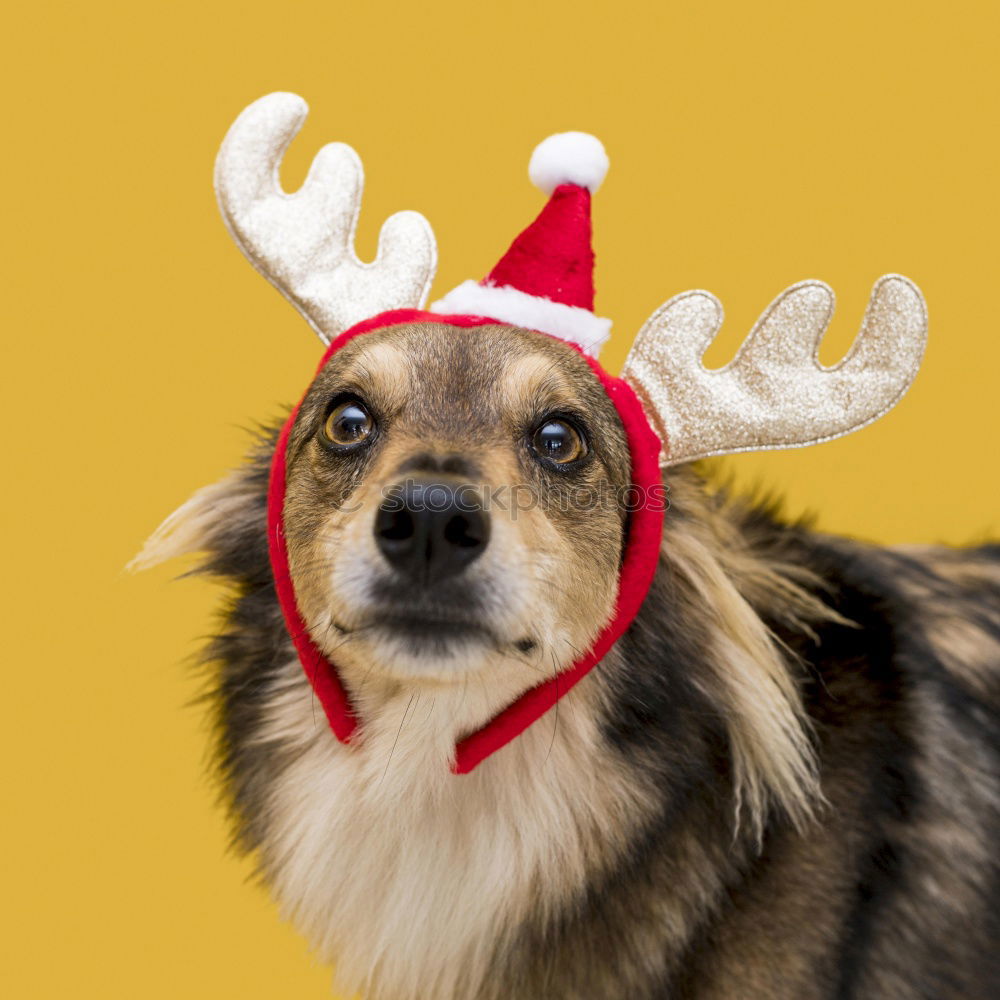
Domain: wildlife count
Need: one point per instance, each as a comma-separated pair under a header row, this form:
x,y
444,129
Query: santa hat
x,y
545,281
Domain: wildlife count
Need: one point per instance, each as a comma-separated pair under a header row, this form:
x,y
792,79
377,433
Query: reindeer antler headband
x,y
773,394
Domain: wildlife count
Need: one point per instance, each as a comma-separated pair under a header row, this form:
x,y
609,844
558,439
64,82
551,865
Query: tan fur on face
x,y
471,397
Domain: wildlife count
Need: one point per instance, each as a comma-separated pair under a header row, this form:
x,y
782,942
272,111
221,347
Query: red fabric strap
x,y
638,566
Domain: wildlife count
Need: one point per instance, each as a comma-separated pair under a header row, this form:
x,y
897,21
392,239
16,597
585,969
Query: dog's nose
x,y
431,530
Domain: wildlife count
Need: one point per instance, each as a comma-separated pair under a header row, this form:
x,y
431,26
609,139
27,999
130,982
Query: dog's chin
x,y
411,646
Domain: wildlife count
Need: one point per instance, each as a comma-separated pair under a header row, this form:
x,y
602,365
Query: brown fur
x,y
781,783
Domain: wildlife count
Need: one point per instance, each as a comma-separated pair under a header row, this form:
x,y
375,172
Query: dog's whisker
x,y
555,725
402,722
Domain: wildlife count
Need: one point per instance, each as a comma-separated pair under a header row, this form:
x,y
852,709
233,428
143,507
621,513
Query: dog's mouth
x,y
433,633
423,629
406,631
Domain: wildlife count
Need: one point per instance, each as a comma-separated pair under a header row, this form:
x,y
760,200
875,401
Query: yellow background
x,y
752,145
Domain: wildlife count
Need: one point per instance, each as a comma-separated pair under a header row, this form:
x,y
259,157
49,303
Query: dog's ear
x,y
198,524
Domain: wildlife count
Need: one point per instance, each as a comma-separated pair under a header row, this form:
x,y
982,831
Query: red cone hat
x,y
545,281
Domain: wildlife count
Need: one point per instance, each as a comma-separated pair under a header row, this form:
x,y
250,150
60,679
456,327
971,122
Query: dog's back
x,y
894,891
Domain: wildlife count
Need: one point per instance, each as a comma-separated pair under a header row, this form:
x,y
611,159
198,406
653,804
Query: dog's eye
x,y
348,423
559,442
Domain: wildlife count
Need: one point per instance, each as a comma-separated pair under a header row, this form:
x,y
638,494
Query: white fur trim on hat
x,y
568,158
511,305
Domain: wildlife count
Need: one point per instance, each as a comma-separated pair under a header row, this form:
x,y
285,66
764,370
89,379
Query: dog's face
x,y
454,504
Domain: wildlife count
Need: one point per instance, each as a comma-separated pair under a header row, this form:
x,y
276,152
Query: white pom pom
x,y
568,158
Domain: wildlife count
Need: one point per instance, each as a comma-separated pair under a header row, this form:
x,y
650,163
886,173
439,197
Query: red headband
x,y
638,565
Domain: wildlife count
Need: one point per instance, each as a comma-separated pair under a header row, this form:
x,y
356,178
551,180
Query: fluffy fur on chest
x,y
412,879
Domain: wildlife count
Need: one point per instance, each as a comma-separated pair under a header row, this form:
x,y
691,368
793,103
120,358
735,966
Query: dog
x,y
781,782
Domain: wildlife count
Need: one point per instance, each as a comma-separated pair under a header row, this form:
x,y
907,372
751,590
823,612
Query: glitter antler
x,y
303,243
774,393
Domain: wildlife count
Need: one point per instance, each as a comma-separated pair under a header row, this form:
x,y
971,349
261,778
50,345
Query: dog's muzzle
x,y
430,530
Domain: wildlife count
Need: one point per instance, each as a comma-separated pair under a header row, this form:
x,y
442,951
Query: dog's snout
x,y
431,530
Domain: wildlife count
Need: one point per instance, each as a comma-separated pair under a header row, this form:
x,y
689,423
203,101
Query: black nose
x,y
431,530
